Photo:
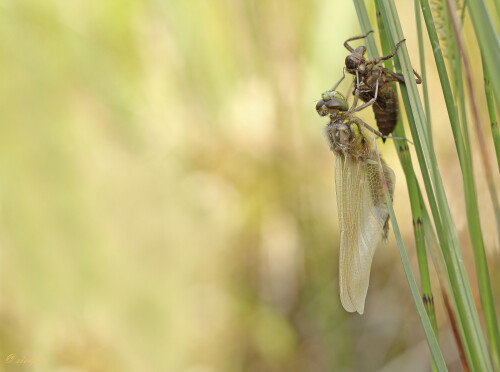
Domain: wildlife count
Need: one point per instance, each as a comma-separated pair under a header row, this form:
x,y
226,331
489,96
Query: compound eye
x,y
350,63
321,108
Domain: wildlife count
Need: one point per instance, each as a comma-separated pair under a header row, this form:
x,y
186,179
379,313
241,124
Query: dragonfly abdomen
x,y
385,107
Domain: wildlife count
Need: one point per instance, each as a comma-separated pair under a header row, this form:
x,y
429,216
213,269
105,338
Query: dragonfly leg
x,y
390,55
356,96
348,47
396,76
338,82
419,79
401,78
370,102
376,132
349,90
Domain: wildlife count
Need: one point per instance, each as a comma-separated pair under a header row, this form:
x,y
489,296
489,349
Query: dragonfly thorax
x,y
339,135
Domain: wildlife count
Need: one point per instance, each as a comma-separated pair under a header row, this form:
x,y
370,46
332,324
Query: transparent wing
x,y
362,216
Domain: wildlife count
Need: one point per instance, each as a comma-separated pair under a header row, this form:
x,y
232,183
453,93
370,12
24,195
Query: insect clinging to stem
x,y
369,72
362,209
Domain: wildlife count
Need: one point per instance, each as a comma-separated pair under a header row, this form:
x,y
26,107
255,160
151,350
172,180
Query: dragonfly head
x,y
356,61
331,102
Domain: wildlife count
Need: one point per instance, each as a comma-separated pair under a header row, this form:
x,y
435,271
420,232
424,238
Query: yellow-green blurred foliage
x,y
167,198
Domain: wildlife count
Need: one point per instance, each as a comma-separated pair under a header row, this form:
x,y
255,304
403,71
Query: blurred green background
x,y
167,198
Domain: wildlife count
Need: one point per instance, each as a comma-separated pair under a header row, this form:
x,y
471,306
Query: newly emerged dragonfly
x,y
369,73
362,210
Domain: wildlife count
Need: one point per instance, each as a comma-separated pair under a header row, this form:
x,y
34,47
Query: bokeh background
x,y
167,198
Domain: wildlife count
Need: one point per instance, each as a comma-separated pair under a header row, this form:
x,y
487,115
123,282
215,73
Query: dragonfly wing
x,y
362,214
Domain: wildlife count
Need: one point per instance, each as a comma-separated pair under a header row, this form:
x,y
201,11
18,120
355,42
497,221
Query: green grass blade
x,y
469,188
478,355
430,336
423,69
491,111
412,184
487,36
445,286
413,188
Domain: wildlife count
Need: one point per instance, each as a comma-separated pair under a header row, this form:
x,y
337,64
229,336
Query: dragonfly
x,y
362,209
369,73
